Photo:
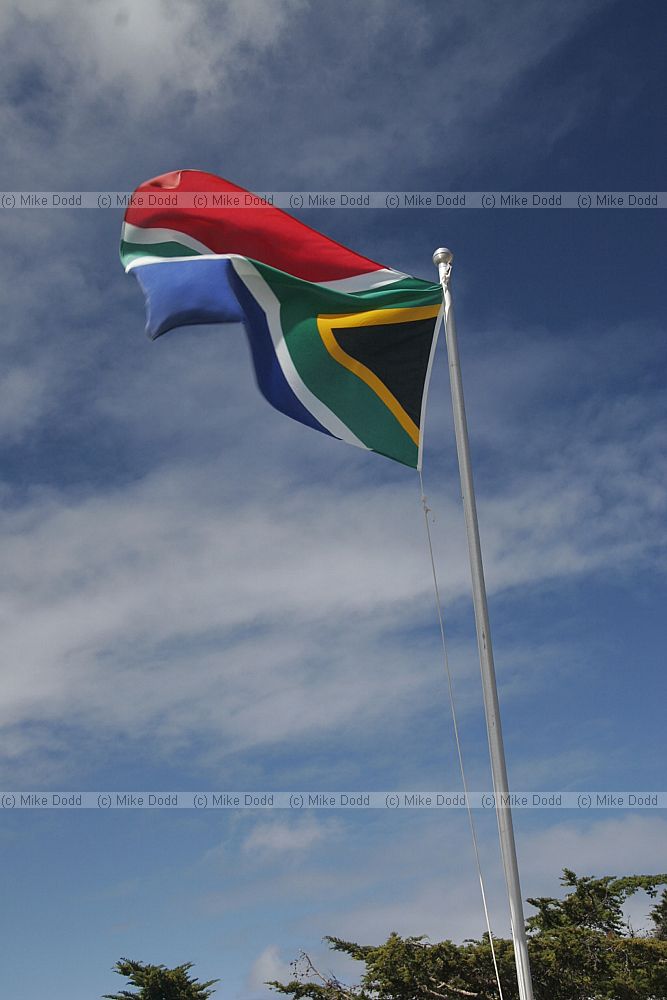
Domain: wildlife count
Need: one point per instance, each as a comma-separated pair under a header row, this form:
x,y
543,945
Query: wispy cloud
x,y
280,837
269,966
193,585
436,893
143,65
226,599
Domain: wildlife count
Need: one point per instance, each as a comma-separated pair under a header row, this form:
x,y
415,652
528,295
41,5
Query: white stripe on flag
x,y
260,291
147,235
362,282
355,283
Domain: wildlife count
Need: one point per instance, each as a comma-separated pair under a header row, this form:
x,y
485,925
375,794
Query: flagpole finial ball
x,y
443,256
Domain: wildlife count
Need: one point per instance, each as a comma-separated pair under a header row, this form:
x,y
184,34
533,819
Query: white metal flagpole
x,y
443,258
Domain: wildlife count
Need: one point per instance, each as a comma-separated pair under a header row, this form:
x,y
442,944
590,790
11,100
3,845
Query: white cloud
x,y
435,891
268,967
156,46
630,844
152,605
252,597
23,400
107,85
158,67
278,837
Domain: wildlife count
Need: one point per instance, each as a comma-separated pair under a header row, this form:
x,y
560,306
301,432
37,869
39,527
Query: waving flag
x,y
338,341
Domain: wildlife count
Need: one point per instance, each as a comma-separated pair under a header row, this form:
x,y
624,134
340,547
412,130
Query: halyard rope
x,y
450,687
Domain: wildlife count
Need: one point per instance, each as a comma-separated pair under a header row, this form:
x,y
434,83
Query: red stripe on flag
x,y
264,233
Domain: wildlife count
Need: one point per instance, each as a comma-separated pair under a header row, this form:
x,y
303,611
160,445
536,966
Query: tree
x,y
157,982
583,946
659,918
580,948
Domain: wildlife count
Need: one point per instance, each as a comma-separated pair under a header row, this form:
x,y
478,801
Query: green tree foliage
x,y
580,947
156,982
659,918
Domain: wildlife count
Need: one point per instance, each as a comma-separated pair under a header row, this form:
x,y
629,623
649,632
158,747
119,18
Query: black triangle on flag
x,y
389,349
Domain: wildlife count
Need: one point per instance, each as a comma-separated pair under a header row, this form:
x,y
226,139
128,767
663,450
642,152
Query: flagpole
x,y
443,258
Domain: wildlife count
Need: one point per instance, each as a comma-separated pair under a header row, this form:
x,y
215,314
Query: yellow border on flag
x,y
373,317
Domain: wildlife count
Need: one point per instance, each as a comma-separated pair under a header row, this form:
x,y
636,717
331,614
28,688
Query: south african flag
x,y
338,341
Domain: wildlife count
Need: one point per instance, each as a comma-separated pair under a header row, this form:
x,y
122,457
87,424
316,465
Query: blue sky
x,y
198,593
